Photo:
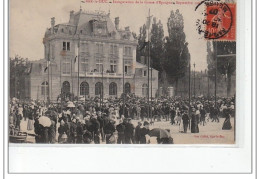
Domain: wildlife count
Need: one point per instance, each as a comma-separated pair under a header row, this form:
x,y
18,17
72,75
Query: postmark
x,y
217,20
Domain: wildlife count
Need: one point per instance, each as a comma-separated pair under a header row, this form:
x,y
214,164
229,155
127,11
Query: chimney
x,y
52,24
117,23
71,21
127,28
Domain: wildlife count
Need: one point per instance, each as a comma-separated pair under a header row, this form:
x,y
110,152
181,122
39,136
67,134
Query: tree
x,y
157,45
141,43
176,49
19,69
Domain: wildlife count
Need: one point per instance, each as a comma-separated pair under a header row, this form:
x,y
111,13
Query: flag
x,y
48,63
46,68
76,56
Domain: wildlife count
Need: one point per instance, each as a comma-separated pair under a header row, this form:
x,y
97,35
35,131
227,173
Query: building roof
x,y
140,65
81,23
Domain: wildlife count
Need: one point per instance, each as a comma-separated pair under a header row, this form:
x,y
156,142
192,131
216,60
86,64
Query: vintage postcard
x,y
122,72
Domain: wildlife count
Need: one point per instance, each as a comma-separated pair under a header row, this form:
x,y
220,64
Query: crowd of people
x,y
112,120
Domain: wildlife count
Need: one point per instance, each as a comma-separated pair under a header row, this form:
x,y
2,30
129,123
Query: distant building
x,y
90,46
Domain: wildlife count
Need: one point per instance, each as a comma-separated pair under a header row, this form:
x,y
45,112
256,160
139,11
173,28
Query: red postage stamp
x,y
219,20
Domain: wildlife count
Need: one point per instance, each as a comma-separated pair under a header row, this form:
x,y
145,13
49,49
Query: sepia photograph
x,y
122,72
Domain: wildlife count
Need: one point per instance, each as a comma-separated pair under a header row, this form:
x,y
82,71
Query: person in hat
x,y
95,129
129,132
194,122
186,121
100,119
73,131
121,132
227,114
109,130
202,116
143,132
137,133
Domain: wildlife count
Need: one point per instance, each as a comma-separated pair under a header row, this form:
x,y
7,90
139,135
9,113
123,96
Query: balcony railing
x,y
99,74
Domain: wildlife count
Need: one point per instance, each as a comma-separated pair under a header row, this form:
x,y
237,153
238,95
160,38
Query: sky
x,y
29,19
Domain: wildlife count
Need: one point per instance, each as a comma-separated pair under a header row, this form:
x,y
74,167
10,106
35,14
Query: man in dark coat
x,y
186,121
109,130
143,132
173,114
101,123
95,129
137,133
121,132
129,132
73,132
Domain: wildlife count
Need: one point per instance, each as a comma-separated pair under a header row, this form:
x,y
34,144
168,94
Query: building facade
x,y
88,51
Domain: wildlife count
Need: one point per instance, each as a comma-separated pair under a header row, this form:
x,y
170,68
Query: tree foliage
x,y
141,42
176,50
157,45
19,69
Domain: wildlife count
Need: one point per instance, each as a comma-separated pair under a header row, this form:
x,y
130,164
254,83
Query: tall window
x,y
144,90
99,48
145,73
127,51
66,46
45,88
127,88
99,65
84,88
112,89
113,66
113,49
52,51
127,69
65,87
98,88
84,47
84,65
66,66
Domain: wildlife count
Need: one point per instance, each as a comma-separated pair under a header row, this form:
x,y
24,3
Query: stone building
x,y
84,53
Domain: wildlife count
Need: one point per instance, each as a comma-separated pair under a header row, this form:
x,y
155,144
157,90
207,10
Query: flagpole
x,y
123,86
148,64
102,91
48,64
78,71
51,82
71,76
60,88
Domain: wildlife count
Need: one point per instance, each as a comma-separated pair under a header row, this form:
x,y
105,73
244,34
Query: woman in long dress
x,y
181,127
194,122
227,123
31,116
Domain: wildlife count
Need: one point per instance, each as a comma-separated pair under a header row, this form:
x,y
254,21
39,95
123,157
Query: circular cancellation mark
x,y
216,19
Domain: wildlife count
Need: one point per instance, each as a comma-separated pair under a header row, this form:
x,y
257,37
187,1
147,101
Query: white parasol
x,y
70,104
45,121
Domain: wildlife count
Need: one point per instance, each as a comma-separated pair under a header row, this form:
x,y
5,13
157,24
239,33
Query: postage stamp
x,y
219,20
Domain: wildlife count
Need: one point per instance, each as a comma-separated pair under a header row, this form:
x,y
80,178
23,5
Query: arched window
x,y
144,90
84,88
65,87
98,88
44,88
127,88
112,89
